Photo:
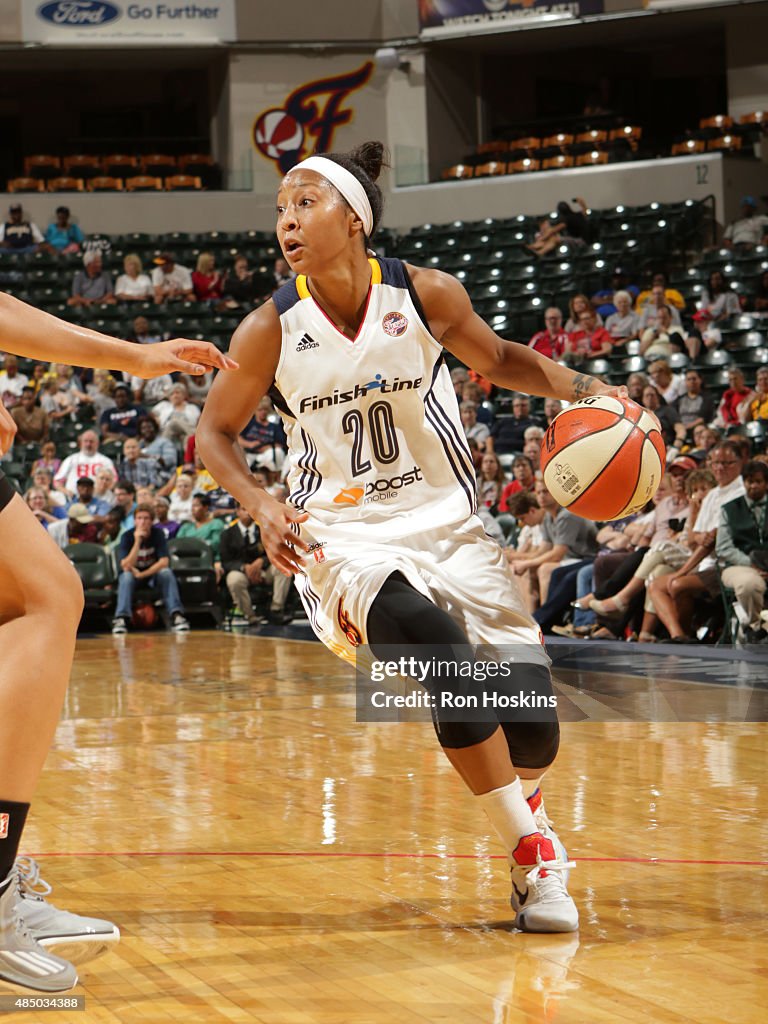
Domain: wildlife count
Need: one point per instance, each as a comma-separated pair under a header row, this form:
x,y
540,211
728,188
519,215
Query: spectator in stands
x,y
665,413
757,407
624,324
761,293
143,558
524,480
664,338
122,420
31,421
636,383
580,304
92,286
197,386
605,301
717,300
574,545
158,448
162,507
181,498
133,285
140,471
674,595
48,459
104,482
507,432
532,451
263,441
12,383
669,296
38,501
79,527
170,280
281,273
56,404
44,478
141,331
125,500
97,506
101,392
742,543
460,377
472,429
149,393
747,231
20,236
695,406
246,565
552,408
651,311
207,281
242,287
62,235
490,483
36,377
669,385
529,514
85,462
551,341
472,392
204,526
575,224
547,238
736,395
589,341
176,415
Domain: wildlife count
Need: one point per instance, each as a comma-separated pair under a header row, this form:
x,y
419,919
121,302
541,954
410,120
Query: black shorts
x,y
7,490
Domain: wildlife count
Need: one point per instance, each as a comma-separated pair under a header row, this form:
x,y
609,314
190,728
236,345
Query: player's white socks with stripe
x,y
511,816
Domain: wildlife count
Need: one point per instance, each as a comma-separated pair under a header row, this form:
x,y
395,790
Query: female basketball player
x,y
41,599
382,491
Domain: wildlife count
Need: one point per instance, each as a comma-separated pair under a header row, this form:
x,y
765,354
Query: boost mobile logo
x,y
379,383
288,134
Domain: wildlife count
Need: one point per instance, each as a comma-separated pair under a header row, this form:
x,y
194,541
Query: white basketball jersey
x,y
374,433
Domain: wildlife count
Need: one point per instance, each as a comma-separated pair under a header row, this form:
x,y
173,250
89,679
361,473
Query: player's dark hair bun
x,y
371,156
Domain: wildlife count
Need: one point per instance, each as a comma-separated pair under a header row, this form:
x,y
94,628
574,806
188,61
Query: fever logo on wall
x,y
304,125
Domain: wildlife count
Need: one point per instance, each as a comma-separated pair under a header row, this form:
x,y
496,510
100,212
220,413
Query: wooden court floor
x,y
270,860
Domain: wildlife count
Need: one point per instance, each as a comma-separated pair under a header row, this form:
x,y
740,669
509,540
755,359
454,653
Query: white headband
x,y
346,183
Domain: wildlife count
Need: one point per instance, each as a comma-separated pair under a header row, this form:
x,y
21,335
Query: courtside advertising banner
x,y
439,17
122,23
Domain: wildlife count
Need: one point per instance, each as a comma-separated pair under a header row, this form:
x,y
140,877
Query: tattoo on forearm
x,y
582,385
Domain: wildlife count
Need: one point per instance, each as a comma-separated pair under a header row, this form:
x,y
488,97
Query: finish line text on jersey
x,y
380,385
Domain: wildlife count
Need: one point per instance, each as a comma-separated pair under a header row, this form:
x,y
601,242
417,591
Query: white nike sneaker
x,y
540,898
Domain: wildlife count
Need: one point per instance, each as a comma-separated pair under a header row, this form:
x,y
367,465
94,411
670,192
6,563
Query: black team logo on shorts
x,y
348,628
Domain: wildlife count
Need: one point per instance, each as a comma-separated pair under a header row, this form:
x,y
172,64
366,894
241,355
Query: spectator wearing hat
x,y
86,495
749,230
170,280
31,421
79,527
18,235
122,420
133,285
62,235
93,285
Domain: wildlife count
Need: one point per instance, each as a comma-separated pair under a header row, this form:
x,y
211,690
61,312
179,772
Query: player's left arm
x,y
455,324
30,332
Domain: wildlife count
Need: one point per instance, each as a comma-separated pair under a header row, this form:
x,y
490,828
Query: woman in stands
x,y
718,301
41,599
381,483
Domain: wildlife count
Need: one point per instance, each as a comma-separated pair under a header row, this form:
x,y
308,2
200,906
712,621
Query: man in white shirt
x,y
170,280
12,383
85,462
749,230
674,596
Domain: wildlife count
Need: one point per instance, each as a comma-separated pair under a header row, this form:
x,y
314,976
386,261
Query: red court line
x,y
404,856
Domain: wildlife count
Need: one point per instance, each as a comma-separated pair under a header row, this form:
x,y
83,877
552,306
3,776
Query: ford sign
x,y
79,13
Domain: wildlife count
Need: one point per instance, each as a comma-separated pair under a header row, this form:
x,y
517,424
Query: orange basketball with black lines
x,y
603,458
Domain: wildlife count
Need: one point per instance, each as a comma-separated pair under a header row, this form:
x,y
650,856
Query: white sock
x,y
509,814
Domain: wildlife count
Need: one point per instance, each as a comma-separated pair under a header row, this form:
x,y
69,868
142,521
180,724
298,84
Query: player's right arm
x,y
228,408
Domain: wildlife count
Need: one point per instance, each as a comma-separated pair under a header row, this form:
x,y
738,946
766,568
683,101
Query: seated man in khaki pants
x,y
245,564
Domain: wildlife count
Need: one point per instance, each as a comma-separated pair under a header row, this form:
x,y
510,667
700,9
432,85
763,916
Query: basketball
x,y
144,616
603,458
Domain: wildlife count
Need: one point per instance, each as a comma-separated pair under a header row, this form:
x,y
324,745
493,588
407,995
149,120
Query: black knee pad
x,y
532,744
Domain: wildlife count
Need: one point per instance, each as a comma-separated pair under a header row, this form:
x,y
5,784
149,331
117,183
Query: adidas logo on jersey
x,y
305,342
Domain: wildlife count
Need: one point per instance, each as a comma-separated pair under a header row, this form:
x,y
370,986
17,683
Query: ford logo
x,y
79,13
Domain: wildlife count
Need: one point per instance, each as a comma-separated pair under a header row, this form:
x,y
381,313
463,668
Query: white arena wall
x,y
632,184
